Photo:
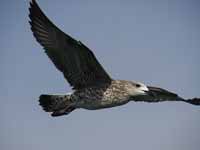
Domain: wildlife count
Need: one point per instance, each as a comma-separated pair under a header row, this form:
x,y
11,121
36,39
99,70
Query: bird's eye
x,y
138,85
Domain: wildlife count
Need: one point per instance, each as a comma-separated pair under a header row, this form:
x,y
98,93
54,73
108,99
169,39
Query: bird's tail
x,y
57,104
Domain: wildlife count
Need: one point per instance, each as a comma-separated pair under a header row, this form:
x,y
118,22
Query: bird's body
x,y
104,96
93,87
117,93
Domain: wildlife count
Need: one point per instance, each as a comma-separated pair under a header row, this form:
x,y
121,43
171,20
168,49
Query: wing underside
x,y
77,62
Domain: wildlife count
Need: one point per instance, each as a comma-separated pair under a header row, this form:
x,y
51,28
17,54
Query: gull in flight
x,y
93,87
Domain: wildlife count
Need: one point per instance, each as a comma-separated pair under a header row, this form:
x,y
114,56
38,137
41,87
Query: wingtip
x,y
31,3
194,101
31,7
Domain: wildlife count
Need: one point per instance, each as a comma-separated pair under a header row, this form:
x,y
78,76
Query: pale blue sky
x,y
153,41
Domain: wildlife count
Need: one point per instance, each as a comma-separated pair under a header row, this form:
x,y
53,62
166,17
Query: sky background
x,y
156,42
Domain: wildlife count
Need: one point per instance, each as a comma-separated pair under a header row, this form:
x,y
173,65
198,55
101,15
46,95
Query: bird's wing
x,y
156,94
71,57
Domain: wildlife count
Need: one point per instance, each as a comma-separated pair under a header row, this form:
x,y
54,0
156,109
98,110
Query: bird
x,y
92,86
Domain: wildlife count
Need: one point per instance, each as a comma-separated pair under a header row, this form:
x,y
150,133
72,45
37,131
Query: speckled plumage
x,y
93,87
104,96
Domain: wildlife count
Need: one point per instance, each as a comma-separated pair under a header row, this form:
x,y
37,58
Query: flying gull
x,y
93,87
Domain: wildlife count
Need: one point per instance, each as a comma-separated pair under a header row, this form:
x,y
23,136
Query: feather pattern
x,y
77,62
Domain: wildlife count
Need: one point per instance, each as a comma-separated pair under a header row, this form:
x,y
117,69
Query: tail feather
x,y
57,104
62,112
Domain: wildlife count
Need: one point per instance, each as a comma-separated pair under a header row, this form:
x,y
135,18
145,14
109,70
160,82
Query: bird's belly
x,y
100,104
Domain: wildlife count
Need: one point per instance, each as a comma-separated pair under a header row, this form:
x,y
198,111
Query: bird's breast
x,y
100,103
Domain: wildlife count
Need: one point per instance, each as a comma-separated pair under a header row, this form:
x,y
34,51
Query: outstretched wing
x,y
71,57
156,94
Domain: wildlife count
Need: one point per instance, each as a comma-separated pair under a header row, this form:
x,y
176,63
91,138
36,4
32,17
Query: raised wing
x,y
71,57
156,94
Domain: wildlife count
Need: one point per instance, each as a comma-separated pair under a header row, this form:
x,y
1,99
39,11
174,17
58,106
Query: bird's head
x,y
137,88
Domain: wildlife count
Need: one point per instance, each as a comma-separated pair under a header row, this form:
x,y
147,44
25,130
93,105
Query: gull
x,y
93,88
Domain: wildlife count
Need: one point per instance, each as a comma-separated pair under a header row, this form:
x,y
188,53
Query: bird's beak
x,y
146,92
150,93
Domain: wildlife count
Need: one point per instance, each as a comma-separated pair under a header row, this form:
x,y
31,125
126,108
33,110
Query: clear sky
x,y
153,41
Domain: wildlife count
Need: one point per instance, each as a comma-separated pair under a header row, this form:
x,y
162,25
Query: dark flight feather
x,y
156,94
77,62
